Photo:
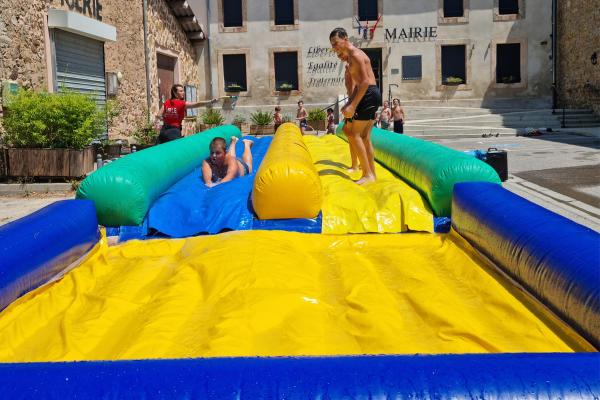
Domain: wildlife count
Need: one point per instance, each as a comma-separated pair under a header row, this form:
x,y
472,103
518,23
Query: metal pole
x,y
209,52
147,61
554,40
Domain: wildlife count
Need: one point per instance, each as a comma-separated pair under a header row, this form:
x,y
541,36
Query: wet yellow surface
x,y
387,205
260,293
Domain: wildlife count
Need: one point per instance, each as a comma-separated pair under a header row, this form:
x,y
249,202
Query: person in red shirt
x,y
173,113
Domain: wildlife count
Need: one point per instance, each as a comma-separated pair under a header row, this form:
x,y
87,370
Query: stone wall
x,y
578,38
23,51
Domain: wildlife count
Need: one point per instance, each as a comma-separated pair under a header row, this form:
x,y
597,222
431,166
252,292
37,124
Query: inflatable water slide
x,y
432,282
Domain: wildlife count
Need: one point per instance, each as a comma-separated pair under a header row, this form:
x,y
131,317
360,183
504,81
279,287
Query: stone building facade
x,y
578,32
408,29
25,49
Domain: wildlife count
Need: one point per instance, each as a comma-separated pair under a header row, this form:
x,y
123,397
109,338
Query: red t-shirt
x,y
174,112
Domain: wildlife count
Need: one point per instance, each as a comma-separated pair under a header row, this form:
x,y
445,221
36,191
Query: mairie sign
x,y
428,31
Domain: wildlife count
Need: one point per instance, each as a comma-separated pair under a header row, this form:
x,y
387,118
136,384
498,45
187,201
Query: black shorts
x,y
398,127
368,105
169,133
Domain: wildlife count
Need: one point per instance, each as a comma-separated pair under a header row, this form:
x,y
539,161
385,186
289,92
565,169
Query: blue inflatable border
x,y
35,248
470,376
555,259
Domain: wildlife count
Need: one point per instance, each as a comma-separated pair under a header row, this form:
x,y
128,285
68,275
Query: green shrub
x,y
288,117
454,80
145,131
261,118
212,117
317,115
240,118
66,120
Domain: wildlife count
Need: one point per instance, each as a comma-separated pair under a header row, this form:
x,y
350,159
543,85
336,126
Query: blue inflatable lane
x,y
555,259
35,248
189,207
481,376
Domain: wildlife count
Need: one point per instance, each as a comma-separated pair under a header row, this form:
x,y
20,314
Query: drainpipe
x,y
147,61
554,40
209,52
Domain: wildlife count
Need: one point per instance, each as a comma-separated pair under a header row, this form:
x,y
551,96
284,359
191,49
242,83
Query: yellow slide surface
x,y
261,293
387,205
287,184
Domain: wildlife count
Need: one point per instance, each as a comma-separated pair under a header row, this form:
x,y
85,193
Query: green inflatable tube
x,y
430,168
124,190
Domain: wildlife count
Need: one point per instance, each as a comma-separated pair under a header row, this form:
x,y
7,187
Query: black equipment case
x,y
498,160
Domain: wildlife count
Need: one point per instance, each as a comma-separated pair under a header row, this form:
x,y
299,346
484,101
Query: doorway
x,y
376,57
166,77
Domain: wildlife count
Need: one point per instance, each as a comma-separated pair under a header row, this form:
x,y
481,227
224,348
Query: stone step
x,y
509,124
478,111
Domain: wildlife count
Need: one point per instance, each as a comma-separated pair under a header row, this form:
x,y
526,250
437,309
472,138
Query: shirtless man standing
x,y
363,105
301,116
384,118
399,117
348,124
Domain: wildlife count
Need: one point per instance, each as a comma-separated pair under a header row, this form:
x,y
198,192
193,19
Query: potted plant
x,y
233,88
288,117
49,134
261,123
286,87
239,120
144,133
316,119
450,81
107,148
210,119
509,79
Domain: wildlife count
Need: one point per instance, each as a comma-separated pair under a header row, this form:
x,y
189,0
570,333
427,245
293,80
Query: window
x,y
453,8
508,10
508,63
286,70
411,68
453,11
232,13
506,7
367,10
453,63
234,72
284,12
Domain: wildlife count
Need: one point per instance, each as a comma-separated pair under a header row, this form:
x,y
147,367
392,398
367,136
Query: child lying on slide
x,y
222,165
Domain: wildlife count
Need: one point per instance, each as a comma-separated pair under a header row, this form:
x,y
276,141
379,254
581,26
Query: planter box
x,y
313,124
508,82
453,83
262,129
204,127
285,89
245,128
50,162
108,150
234,90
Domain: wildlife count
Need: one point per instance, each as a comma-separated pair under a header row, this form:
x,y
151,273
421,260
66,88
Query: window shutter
x,y
286,69
453,8
284,12
367,10
453,63
232,13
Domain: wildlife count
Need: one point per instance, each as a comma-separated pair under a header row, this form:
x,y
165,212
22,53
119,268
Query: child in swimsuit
x,y
330,122
223,165
277,118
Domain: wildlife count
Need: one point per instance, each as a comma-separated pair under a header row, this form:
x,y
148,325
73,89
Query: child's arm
x,y
232,169
207,174
403,115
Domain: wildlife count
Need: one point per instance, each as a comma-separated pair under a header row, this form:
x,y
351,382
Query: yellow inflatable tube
x,y
287,184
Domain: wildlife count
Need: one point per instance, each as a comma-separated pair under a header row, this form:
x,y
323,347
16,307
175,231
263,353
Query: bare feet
x,y
247,142
353,170
234,140
365,179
